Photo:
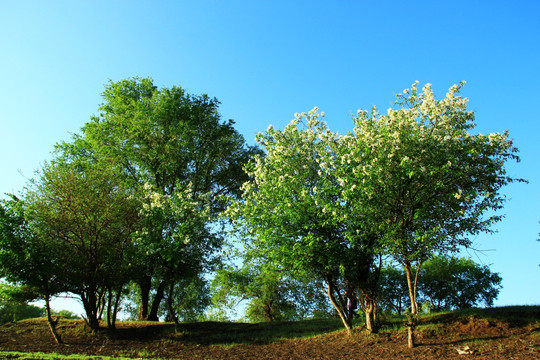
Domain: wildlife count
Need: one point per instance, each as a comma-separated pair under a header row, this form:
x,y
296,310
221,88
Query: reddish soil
x,y
440,339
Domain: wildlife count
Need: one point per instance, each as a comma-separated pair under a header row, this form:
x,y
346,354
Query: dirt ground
x,y
477,338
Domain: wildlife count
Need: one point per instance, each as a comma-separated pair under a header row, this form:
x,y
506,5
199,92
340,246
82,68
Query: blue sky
x,y
266,60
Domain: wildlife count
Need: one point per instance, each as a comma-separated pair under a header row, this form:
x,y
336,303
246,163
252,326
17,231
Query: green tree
x,y
424,180
88,218
291,210
393,289
175,147
457,283
13,305
191,298
271,293
26,259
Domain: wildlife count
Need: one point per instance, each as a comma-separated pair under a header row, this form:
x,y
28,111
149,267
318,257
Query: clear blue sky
x,y
266,60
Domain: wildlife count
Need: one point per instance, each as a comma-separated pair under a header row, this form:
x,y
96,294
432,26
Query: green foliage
x,y
411,183
87,216
422,177
24,257
287,206
137,197
458,283
393,291
66,314
191,298
13,307
445,283
424,181
292,211
271,293
178,157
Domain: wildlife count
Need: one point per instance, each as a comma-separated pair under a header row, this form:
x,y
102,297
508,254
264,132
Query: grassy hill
x,y
496,333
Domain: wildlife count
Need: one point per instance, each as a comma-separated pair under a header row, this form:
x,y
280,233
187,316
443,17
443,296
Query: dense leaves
x,y
458,283
412,183
137,199
292,211
177,157
423,179
13,304
88,218
445,283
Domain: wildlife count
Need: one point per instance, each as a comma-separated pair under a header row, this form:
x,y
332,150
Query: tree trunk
x,y
101,304
412,289
410,336
412,318
90,305
109,308
369,309
170,307
145,285
52,323
116,305
160,294
346,322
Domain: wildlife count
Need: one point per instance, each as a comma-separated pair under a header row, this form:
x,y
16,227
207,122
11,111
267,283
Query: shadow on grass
x,y
225,333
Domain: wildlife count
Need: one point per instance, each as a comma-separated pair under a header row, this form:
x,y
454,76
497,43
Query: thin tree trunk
x,y
109,308
52,323
170,307
145,286
160,294
412,318
116,305
101,304
346,323
410,336
412,289
369,295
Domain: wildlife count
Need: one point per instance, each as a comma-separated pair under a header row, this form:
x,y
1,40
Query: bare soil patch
x,y
438,337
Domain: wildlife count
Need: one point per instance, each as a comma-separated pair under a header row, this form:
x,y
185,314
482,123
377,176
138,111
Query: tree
x,y
13,307
393,289
87,217
291,210
445,282
424,180
457,283
26,259
169,144
191,298
271,293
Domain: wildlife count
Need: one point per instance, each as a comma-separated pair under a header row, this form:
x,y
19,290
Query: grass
x,y
513,315
259,333
150,337
53,356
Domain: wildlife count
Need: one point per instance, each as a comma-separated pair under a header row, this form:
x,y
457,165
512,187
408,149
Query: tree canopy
x,y
178,156
138,199
423,178
413,183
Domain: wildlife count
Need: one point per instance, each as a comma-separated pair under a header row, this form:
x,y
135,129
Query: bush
x,y
11,311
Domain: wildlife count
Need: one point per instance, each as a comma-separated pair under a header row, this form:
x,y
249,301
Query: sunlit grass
x,y
53,356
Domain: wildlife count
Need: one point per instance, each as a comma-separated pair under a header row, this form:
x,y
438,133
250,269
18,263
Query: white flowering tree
x,y
181,221
292,209
422,179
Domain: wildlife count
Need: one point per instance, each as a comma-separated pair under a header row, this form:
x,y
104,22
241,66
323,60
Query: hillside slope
x,y
499,333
